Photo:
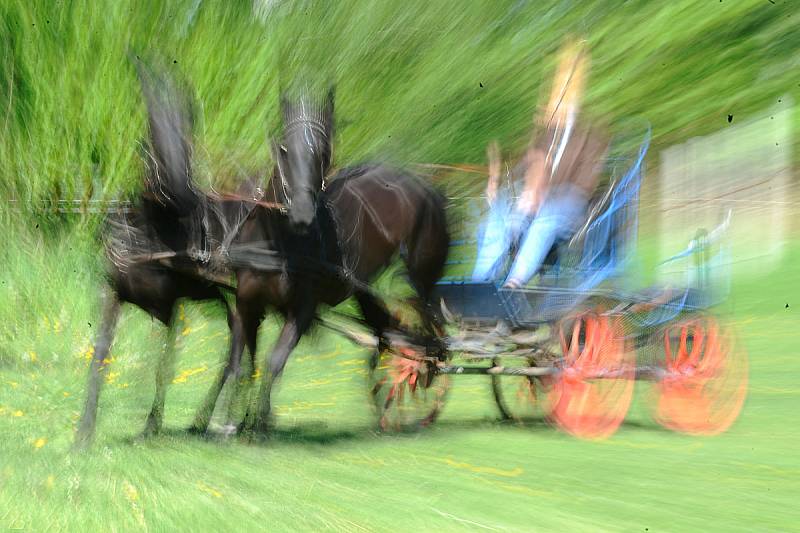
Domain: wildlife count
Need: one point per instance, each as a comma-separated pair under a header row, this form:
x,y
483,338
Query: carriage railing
x,y
607,240
701,274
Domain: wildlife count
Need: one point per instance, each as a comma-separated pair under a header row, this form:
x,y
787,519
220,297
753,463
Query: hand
x,y
527,203
493,153
495,160
491,190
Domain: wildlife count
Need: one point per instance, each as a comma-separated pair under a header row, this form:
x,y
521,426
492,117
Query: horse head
x,y
303,157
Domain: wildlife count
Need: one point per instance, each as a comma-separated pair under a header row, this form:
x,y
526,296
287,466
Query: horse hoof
x,y
196,430
81,445
229,430
257,433
149,432
151,429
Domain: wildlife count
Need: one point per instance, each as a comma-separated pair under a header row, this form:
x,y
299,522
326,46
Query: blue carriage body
x,y
592,263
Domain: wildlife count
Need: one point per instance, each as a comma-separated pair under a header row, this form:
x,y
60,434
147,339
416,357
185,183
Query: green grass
x,y
408,76
325,467
417,80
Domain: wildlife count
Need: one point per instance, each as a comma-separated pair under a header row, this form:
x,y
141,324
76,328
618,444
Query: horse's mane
x,y
354,171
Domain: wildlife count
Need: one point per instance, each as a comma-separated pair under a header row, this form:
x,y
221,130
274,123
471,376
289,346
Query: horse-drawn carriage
x,y
571,346
571,339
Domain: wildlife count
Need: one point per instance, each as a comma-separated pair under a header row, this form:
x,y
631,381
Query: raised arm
x,y
495,162
535,183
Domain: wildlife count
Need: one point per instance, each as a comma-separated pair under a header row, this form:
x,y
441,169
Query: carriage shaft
x,y
649,374
498,370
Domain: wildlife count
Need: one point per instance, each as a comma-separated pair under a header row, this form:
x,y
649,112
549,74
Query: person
x,y
558,175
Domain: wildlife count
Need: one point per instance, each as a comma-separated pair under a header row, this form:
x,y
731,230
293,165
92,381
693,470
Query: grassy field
x,y
418,81
326,468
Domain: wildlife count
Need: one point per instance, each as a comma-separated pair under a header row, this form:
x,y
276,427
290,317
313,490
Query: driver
x,y
559,172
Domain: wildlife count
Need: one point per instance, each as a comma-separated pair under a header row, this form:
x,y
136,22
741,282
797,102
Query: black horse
x,y
173,245
365,217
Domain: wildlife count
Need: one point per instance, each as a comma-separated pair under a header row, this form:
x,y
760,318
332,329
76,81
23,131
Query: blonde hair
x,y
568,83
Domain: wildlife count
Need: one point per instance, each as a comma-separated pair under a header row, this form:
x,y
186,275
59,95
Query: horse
x,y
171,247
365,217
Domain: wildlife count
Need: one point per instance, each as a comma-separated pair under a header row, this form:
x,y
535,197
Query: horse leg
x,y
164,373
377,316
297,323
251,315
249,336
232,367
424,270
88,420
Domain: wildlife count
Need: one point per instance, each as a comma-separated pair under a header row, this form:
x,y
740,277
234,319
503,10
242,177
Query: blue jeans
x,y
558,218
502,228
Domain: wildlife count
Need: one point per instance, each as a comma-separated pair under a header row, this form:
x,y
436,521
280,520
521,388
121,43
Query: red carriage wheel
x,y
705,378
406,389
590,396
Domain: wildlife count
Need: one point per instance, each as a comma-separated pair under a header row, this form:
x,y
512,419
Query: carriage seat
x,y
599,202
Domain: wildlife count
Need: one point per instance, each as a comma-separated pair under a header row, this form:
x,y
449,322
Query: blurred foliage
x,y
416,80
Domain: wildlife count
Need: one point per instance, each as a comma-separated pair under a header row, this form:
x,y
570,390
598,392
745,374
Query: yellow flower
x,y
256,374
215,493
32,356
50,481
130,492
17,413
13,384
65,393
38,443
186,331
88,353
111,377
184,375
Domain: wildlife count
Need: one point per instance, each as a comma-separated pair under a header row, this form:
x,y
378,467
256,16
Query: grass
x,y
326,468
417,81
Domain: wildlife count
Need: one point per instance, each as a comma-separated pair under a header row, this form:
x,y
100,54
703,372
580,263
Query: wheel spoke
x,y
705,395
591,395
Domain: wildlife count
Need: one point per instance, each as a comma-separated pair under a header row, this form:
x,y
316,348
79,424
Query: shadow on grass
x,y
317,433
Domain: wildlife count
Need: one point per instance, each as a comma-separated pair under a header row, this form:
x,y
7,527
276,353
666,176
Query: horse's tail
x,y
428,243
169,154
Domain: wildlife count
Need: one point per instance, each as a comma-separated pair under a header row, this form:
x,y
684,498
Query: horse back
x,y
380,210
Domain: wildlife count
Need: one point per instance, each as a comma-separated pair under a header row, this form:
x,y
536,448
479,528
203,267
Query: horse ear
x,y
331,99
330,102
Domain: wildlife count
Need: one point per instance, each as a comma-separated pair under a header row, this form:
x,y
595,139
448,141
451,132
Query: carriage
x,y
571,346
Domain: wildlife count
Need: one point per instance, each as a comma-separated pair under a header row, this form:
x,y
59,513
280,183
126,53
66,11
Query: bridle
x,y
310,123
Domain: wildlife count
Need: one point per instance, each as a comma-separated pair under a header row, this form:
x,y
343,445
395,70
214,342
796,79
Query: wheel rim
x,y
705,378
515,396
591,395
407,391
